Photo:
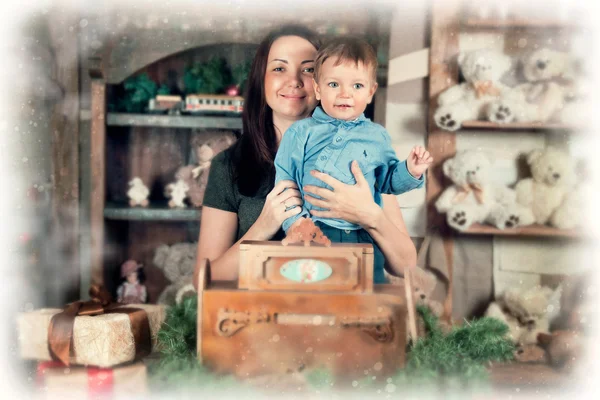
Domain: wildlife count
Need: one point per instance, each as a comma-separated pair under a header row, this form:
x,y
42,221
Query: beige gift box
x,y
103,340
60,382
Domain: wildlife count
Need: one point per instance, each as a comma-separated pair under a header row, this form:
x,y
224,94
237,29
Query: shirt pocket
x,y
366,155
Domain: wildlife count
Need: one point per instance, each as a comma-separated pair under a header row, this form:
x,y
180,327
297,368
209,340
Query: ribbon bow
x,y
60,332
485,88
463,192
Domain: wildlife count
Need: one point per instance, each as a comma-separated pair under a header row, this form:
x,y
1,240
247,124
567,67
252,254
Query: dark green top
x,y
223,193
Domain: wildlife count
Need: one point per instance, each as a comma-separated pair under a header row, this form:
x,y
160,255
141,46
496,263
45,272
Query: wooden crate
x,y
267,325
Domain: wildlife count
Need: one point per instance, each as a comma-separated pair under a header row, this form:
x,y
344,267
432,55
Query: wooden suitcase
x,y
297,307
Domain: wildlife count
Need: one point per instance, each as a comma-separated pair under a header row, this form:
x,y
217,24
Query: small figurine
x,y
131,291
304,230
177,192
138,193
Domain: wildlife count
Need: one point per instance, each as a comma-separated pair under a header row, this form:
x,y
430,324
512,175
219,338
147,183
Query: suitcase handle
x,y
230,322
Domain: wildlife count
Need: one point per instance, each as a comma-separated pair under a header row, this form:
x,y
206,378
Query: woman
x,y
240,201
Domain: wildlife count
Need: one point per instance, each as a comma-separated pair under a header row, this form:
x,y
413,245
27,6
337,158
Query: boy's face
x,y
345,89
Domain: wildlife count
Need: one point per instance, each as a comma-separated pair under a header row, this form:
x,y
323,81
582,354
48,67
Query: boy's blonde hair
x,y
347,49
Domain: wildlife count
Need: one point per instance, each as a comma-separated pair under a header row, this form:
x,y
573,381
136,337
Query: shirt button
x,y
338,139
347,231
323,158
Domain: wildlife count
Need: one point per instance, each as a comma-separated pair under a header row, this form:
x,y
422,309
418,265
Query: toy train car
x,y
171,104
213,103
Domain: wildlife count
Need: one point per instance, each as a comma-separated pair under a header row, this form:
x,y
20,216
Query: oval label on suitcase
x,y
306,270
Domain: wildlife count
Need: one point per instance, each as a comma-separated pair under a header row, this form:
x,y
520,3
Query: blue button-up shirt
x,y
329,145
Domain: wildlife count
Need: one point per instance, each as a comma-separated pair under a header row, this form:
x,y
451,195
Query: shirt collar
x,y
321,116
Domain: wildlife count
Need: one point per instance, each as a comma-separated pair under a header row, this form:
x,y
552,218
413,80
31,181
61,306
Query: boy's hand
x,y
418,161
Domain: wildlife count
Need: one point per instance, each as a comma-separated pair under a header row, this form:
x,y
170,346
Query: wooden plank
x,y
443,74
441,144
531,230
517,126
151,213
98,176
203,282
529,376
65,146
497,23
174,121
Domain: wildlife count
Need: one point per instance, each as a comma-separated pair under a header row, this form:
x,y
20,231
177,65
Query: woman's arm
x,y
216,242
393,239
218,229
354,203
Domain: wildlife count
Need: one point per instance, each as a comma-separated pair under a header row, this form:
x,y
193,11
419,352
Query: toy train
x,y
197,103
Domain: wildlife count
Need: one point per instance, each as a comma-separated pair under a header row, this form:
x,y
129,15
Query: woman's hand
x,y
274,211
352,203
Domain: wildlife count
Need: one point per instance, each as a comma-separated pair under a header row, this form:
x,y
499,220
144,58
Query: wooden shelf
x,y
516,126
531,230
498,23
527,376
174,121
151,213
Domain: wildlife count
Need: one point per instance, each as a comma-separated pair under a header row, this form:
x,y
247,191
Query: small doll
x,y
131,291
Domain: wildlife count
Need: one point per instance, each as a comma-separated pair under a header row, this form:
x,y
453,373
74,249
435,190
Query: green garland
x,y
439,361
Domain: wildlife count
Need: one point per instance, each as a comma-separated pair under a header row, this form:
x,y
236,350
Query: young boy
x,y
337,133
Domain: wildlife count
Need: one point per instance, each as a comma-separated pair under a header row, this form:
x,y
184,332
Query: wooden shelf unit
x,y
446,26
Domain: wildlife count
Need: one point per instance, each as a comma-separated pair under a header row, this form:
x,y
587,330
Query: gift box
x,y
56,381
113,335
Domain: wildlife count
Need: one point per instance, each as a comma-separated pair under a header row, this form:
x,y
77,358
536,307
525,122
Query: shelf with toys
x,y
122,211
518,126
520,92
530,230
530,83
175,121
154,135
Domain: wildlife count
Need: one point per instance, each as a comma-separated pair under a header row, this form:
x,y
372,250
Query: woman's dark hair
x,y
254,154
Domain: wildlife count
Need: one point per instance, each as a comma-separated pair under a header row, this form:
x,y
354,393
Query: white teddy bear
x,y
544,94
473,199
553,177
576,205
177,192
526,312
482,70
138,193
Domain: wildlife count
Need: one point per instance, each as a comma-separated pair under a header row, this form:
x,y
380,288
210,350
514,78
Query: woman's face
x,y
288,79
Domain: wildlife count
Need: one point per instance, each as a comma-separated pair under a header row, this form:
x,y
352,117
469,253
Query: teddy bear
x,y
526,312
138,193
305,231
177,192
423,285
177,263
196,175
544,93
473,199
470,100
553,177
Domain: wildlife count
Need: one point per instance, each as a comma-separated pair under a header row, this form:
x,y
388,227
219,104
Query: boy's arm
x,y
394,177
289,165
